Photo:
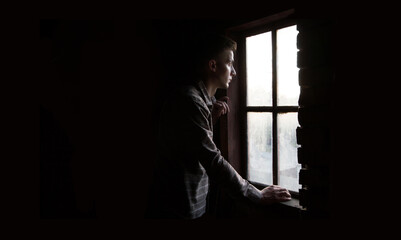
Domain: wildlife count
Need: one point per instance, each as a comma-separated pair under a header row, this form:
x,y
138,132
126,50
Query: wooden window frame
x,y
238,154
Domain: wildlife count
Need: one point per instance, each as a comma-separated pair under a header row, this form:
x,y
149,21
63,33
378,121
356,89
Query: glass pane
x,y
287,70
288,167
260,147
259,69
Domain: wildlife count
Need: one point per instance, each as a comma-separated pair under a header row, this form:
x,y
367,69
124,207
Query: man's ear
x,y
212,65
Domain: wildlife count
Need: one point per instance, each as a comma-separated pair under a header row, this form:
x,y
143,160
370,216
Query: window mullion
x,y
274,95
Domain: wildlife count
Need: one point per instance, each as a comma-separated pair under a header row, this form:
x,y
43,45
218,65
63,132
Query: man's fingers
x,y
284,194
284,199
228,108
225,105
223,101
281,192
274,193
222,107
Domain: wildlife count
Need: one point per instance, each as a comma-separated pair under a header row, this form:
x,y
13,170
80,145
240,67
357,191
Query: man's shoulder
x,y
191,93
188,91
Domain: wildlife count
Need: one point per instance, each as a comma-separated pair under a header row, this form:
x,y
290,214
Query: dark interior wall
x,y
71,66
96,97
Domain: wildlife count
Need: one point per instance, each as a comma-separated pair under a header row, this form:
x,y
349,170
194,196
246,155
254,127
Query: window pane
x,y
287,70
259,69
260,147
288,166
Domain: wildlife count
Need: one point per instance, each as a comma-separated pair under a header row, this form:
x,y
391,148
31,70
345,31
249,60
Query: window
x,y
267,93
272,93
265,123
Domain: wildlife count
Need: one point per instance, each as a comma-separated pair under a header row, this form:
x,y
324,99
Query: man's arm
x,y
200,145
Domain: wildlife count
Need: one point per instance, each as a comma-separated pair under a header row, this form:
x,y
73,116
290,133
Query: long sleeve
x,y
189,159
191,140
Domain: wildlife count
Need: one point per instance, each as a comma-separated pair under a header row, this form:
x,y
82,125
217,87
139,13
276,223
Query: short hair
x,y
209,46
213,44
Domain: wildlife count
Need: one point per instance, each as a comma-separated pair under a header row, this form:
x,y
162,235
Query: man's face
x,y
224,69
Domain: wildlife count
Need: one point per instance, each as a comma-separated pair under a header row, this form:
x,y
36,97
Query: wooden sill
x,y
294,203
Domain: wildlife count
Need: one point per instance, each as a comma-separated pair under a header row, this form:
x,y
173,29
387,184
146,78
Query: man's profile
x,y
189,159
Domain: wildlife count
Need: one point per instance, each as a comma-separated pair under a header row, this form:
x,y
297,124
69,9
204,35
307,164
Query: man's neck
x,y
210,88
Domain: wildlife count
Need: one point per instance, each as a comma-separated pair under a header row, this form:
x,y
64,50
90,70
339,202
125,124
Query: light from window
x,y
271,108
288,167
260,147
259,70
287,70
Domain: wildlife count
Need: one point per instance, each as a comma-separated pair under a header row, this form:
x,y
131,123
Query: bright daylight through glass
x,y
287,70
260,147
288,167
259,70
259,93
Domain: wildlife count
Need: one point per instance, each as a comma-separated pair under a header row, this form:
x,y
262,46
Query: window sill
x,y
294,203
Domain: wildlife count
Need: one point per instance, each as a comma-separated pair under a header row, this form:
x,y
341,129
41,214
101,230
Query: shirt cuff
x,y
254,194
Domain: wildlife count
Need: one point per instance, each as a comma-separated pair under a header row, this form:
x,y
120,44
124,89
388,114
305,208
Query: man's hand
x,y
274,194
220,107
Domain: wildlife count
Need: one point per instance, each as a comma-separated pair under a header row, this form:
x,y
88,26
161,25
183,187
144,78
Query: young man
x,y
189,159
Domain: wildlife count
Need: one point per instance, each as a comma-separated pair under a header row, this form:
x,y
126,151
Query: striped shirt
x,y
189,158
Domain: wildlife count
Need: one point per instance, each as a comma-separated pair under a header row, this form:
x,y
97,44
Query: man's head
x,y
216,58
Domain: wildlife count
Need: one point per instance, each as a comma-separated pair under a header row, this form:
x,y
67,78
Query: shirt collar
x,y
209,100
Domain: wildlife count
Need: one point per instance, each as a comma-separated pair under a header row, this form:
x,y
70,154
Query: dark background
x,y
101,86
